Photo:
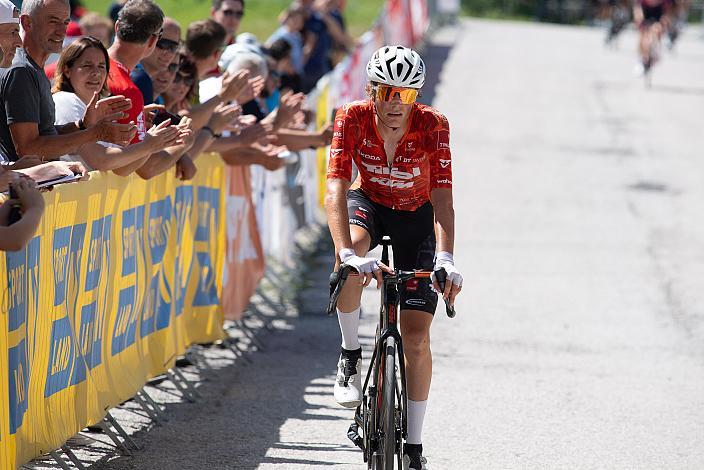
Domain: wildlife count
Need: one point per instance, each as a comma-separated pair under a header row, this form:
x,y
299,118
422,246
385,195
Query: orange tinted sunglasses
x,y
388,93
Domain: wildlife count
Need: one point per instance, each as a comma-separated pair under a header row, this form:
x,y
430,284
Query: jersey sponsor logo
x,y
368,143
358,222
337,134
361,214
445,181
398,184
141,127
413,160
417,302
368,156
392,172
335,151
444,140
444,163
410,145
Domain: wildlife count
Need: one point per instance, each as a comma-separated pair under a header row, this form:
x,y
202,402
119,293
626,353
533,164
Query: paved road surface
x,y
580,338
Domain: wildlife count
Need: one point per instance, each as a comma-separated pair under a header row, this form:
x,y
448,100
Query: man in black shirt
x,y
27,111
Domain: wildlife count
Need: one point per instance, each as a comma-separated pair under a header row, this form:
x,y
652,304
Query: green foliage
x,y
508,9
260,15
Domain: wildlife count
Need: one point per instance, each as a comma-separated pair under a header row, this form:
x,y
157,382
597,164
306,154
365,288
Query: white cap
x,y
8,12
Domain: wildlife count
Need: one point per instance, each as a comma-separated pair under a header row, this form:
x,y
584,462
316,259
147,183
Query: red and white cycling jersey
x,y
421,162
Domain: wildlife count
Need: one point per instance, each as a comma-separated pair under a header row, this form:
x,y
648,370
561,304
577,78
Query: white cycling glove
x,y
362,265
444,260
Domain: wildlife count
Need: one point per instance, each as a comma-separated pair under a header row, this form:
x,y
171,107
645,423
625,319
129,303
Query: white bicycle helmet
x,y
397,66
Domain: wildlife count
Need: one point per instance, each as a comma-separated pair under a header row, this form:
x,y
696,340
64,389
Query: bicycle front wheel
x,y
387,421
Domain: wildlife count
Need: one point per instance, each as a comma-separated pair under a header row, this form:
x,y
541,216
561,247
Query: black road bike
x,y
382,416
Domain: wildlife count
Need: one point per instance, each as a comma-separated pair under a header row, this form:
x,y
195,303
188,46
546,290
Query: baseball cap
x,y
8,12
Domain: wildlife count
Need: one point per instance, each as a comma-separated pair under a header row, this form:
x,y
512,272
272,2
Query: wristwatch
x,y
211,131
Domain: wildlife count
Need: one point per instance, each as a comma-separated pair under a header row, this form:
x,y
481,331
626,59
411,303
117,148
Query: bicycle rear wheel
x,y
387,418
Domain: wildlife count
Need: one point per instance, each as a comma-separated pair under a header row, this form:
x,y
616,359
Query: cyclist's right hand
x,y
368,268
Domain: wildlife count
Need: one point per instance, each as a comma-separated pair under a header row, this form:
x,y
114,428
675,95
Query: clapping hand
x,y
252,90
234,85
112,108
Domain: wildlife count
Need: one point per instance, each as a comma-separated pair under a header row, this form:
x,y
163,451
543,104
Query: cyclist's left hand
x,y
453,284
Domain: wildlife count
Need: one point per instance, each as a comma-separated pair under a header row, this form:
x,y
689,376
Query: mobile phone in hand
x,y
162,116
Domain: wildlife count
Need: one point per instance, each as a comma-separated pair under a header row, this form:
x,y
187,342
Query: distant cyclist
x,y
404,190
651,19
620,18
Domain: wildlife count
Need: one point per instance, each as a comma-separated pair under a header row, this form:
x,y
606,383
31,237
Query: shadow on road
x,y
238,422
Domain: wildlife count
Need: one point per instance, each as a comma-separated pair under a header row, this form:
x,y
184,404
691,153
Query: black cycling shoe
x,y
413,457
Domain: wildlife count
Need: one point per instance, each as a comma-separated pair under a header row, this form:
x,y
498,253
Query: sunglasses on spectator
x,y
167,45
173,67
235,13
186,79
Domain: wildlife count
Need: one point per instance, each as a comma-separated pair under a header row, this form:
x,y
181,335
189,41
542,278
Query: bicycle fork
x,y
370,392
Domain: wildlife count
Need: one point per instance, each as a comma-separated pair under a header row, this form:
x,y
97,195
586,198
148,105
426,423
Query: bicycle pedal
x,y
353,435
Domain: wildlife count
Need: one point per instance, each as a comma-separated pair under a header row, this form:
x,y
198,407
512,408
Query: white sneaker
x,y
407,463
348,386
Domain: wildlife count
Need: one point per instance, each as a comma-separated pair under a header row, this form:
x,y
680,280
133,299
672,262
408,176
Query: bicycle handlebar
x,y
338,279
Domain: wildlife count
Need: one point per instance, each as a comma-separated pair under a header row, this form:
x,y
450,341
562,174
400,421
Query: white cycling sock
x,y
416,415
349,324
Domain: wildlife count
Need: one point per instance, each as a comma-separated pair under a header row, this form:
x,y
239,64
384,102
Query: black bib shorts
x,y
412,236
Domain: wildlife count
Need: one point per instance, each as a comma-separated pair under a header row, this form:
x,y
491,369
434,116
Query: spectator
x,y
16,236
324,25
281,65
164,54
27,117
292,22
138,28
204,41
114,9
100,27
179,96
9,32
77,9
228,13
164,78
257,68
83,71
287,119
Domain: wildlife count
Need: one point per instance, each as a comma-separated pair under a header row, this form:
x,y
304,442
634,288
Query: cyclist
x,y
651,19
404,190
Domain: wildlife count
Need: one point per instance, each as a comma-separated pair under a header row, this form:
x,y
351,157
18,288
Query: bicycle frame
x,y
387,328
387,335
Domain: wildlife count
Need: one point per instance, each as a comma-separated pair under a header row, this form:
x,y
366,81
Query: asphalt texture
x,y
579,339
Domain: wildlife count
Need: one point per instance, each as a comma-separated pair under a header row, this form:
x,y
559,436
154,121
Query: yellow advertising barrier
x,y
123,275
322,117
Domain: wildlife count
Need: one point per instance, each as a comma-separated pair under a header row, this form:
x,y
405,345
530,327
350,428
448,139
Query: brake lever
x,y
337,282
441,278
